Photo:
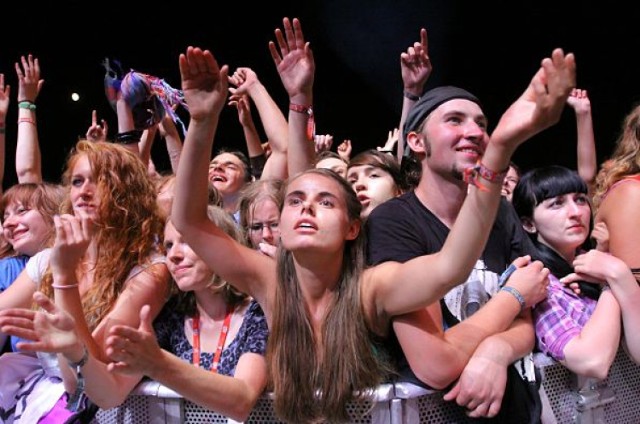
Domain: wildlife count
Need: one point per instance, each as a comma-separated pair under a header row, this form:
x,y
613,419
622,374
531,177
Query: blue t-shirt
x,y
10,268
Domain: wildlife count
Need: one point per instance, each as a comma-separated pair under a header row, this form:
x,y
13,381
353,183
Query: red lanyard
x,y
221,340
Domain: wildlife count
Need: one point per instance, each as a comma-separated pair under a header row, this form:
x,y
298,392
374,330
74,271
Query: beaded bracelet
x,y
26,104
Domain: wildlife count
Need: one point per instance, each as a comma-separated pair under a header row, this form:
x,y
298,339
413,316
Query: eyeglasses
x,y
257,227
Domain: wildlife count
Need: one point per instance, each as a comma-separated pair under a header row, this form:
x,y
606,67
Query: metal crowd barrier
x,y
567,399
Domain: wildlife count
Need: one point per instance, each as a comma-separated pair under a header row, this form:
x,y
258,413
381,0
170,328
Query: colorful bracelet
x,y
472,174
26,104
311,122
515,293
308,110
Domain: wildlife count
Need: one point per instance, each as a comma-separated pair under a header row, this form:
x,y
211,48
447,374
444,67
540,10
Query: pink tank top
x,y
635,177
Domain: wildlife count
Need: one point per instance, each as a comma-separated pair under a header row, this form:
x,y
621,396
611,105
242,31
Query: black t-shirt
x,y
403,228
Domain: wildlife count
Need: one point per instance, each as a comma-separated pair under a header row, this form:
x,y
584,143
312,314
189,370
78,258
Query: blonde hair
x,y
186,301
251,195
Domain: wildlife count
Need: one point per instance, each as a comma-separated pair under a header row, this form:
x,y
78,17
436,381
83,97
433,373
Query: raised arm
x,y
415,68
5,91
169,132
145,145
251,137
205,88
294,60
273,121
28,158
97,131
539,107
587,162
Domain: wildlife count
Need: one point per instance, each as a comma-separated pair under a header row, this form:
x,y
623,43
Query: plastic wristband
x,y
410,96
63,287
515,293
506,274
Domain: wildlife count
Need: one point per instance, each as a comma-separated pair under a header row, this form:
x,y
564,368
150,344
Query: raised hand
x,y
49,330
243,79
241,102
166,126
344,149
415,65
294,60
579,101
73,235
392,139
133,350
204,83
323,142
97,132
541,104
29,82
5,91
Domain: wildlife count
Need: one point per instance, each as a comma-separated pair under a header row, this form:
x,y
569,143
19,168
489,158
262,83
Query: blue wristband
x,y
515,293
506,274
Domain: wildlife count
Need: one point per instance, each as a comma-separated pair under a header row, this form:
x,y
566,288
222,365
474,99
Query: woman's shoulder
x,y
154,258
620,188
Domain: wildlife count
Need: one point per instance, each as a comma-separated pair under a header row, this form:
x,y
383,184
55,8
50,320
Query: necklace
x,y
223,337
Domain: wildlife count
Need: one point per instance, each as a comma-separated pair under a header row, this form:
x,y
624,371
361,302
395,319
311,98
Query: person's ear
x,y
415,141
528,225
354,229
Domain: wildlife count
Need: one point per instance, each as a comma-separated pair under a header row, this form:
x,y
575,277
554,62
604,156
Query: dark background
x,y
490,48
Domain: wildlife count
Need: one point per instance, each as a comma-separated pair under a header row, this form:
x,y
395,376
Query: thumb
x,y
145,319
453,393
44,302
522,261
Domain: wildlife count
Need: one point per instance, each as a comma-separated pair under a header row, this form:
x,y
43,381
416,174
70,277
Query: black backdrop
x,y
490,48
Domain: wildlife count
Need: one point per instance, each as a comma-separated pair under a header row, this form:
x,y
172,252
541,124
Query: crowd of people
x,y
312,273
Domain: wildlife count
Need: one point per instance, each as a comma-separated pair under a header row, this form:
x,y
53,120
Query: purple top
x,y
560,317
